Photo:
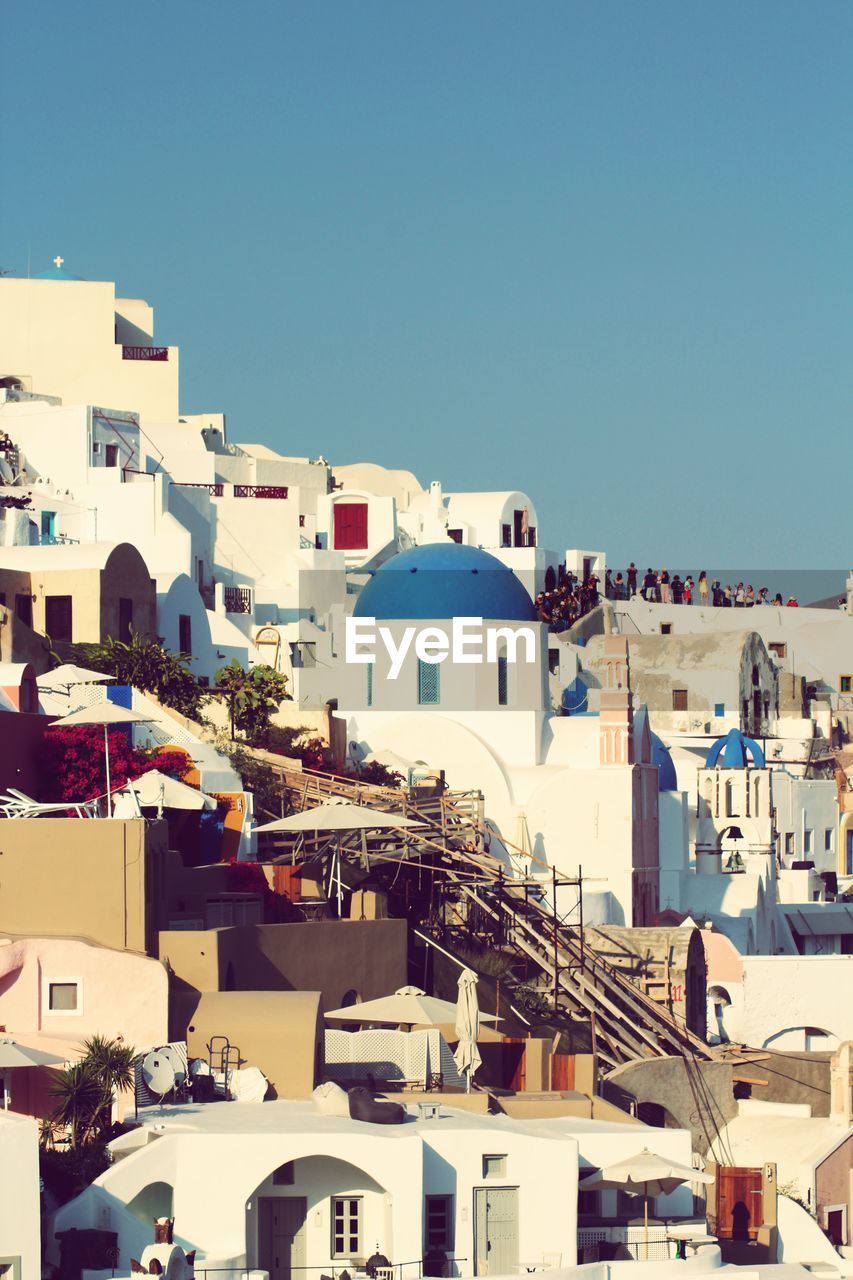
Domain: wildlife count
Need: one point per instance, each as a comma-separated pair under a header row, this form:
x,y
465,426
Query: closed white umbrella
x,y
338,817
110,715
467,1055
645,1174
408,1006
157,788
14,1056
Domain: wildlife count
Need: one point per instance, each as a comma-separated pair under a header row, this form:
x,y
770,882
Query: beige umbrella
x,y
14,1056
338,817
68,674
645,1174
157,788
409,1006
467,1055
110,715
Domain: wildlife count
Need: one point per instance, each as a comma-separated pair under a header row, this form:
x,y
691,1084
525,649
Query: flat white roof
x,y
297,1117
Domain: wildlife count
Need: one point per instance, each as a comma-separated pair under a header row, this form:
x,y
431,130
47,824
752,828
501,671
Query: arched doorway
x,y
347,1204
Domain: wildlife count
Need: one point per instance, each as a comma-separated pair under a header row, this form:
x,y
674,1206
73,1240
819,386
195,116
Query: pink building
x,y
57,992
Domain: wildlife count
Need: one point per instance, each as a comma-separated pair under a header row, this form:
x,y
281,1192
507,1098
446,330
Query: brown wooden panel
x,y
739,1203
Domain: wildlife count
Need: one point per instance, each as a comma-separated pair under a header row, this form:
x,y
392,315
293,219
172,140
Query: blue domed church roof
x,y
738,752
667,780
445,580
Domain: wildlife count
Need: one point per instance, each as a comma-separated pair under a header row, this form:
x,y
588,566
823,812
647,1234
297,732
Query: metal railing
x,y
335,1270
238,599
215,489
260,491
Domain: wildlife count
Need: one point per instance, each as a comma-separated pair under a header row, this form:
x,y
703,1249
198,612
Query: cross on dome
x,y
57,262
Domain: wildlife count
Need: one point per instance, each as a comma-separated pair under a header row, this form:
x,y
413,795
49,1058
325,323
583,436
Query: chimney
x,y
616,705
841,1085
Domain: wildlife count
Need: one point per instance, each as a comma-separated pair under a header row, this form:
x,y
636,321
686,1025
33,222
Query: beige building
x,y
75,339
79,593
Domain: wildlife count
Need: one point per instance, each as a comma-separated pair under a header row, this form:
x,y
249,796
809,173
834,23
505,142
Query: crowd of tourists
x,y
572,597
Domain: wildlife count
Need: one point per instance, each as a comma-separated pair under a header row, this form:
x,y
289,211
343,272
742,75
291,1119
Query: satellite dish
x,y
158,1072
174,1059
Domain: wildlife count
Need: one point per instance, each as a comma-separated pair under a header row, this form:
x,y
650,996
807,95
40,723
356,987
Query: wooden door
x,y
495,1231
281,1235
350,525
740,1209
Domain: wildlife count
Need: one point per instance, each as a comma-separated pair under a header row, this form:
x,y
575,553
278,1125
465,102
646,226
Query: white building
x,y
247,1184
566,792
20,1223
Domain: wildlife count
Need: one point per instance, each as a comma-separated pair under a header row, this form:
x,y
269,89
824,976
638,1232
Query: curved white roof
x,y
86,555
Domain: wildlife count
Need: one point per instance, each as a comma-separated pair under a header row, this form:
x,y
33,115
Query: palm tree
x,y
81,1097
87,1089
112,1062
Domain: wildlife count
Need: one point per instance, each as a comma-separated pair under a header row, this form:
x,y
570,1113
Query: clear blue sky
x,y
597,251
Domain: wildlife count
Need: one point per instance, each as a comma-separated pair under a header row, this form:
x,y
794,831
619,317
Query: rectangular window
x,y
506,535
185,633
679,699
111,455
808,840
58,612
589,1202
719,708
125,619
439,1223
845,684
494,1166
778,648
222,912
346,1227
350,522
827,839
455,535
503,681
789,843
24,609
62,997
428,683
48,527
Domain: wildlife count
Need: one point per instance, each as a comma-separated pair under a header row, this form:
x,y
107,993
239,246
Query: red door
x,y
350,526
739,1203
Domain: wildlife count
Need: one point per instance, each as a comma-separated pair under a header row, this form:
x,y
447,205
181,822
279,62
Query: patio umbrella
x,y
645,1174
157,788
409,1006
13,1056
109,714
339,817
467,1055
67,675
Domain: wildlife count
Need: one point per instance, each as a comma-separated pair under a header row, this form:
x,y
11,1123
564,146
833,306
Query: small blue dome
x,y
445,580
667,780
56,273
738,752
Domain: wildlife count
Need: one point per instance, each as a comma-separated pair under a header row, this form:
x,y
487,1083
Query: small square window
x,y
494,1166
63,997
719,708
827,839
679,699
778,648
666,628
